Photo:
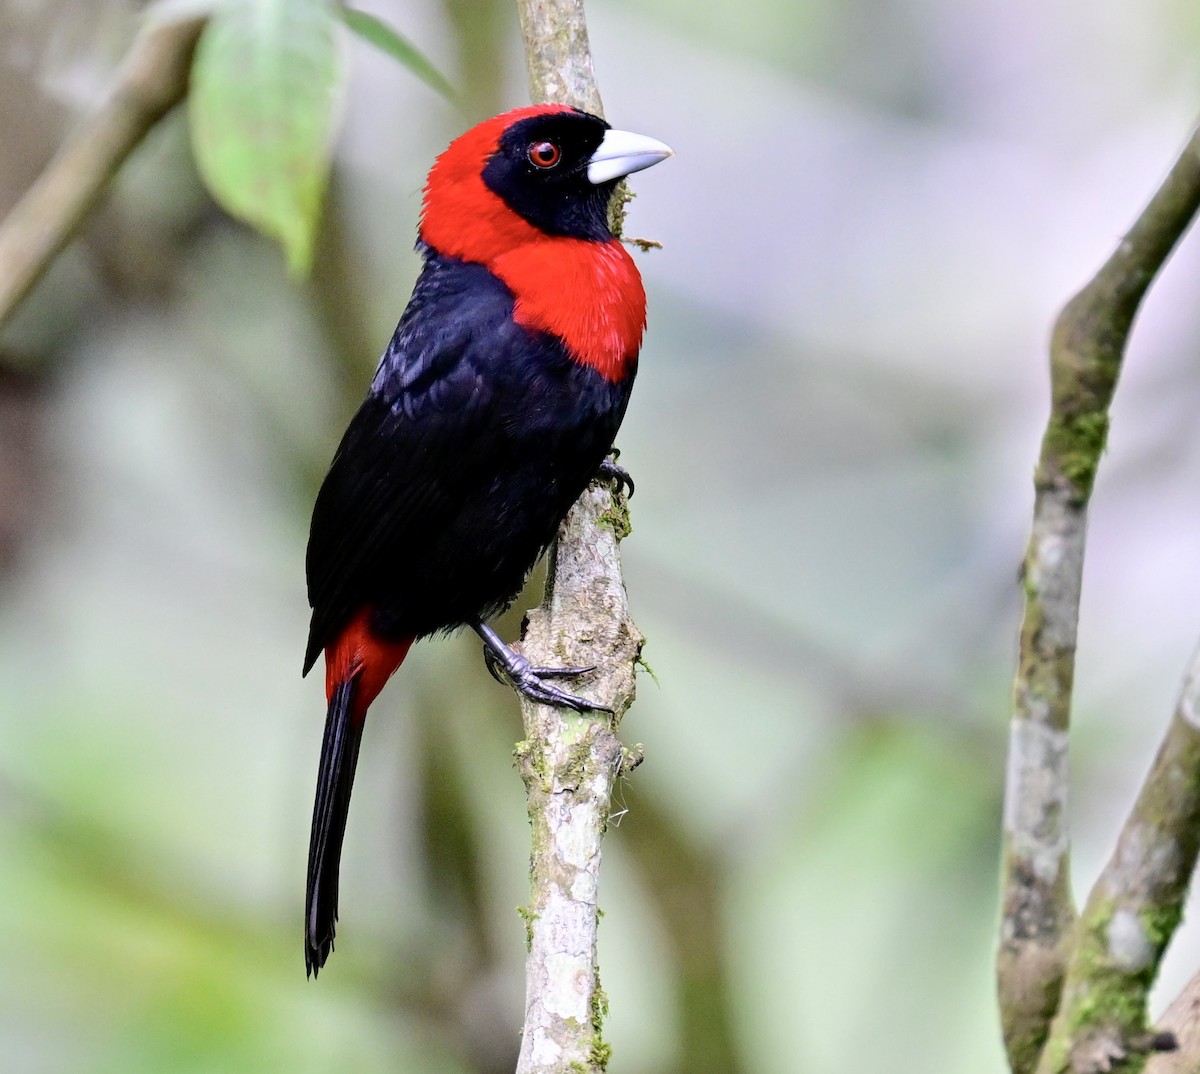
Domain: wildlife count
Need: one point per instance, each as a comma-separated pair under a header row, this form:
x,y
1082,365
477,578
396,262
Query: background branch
x,y
1133,909
1086,353
152,79
1182,1022
569,762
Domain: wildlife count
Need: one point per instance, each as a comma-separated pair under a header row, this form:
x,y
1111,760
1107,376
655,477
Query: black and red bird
x,y
495,403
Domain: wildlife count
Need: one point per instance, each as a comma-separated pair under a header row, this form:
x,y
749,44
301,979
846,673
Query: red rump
x,y
588,294
359,651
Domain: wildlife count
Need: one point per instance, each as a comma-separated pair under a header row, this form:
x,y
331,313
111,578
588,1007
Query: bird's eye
x,y
544,154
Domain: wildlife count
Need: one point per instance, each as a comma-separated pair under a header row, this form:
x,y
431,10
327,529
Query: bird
x,y
495,403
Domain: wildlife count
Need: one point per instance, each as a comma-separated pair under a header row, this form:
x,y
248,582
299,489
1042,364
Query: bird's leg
x,y
615,473
515,670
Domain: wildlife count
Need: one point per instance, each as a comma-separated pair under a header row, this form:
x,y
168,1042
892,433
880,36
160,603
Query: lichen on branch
x,y
1038,939
570,762
1133,911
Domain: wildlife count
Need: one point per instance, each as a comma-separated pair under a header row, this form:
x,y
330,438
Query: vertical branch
x,y
570,762
558,54
1086,352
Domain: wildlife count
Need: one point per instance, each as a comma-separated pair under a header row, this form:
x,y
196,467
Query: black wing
x,y
395,474
476,438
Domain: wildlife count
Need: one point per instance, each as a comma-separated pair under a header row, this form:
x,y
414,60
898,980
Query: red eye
x,y
544,154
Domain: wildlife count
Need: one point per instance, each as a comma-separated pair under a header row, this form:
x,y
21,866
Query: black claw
x,y
516,671
500,673
617,474
560,673
545,693
495,668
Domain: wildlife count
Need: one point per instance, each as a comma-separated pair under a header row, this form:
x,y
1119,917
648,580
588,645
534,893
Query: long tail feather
x,y
357,665
339,755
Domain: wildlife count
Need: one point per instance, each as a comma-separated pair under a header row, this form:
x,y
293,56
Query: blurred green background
x,y
875,210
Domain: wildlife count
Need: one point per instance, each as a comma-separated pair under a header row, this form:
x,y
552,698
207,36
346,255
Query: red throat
x,y
588,294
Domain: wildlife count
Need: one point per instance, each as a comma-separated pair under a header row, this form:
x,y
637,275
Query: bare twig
x,y
152,80
1086,353
569,763
645,245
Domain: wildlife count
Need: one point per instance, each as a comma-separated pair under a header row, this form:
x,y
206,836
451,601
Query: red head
x,y
526,193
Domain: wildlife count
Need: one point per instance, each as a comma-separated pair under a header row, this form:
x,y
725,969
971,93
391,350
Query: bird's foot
x,y
501,672
617,474
516,671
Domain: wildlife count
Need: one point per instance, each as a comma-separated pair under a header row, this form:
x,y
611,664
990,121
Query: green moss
x,y
1027,586
600,1052
577,763
1027,1025
532,763
616,518
1046,672
529,917
1073,446
1160,923
1056,1057
631,757
644,664
622,196
1103,997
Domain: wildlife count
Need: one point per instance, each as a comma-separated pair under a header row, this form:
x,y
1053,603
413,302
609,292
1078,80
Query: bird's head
x,y
537,172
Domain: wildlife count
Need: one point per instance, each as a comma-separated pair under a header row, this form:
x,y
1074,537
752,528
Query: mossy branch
x,y
558,54
1132,911
152,79
1038,936
571,762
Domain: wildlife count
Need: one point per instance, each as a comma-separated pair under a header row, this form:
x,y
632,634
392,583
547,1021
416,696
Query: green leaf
x,y
266,93
396,45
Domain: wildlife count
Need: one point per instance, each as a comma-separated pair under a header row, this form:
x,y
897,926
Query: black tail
x,y
339,755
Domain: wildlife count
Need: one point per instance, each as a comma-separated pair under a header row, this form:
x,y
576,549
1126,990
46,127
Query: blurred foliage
x,y
874,212
267,82
265,98
396,45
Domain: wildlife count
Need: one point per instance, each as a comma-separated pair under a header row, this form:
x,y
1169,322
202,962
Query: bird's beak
x,y
623,153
